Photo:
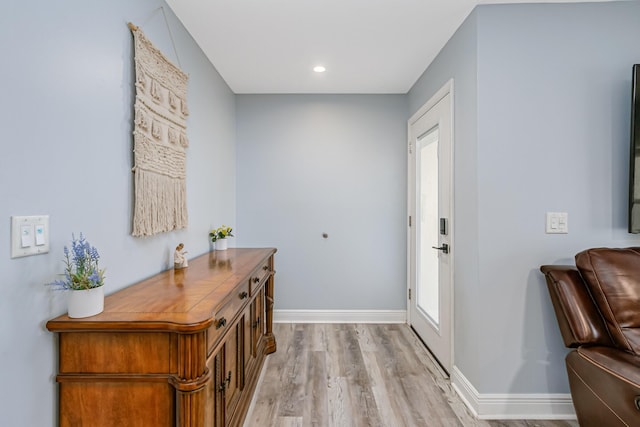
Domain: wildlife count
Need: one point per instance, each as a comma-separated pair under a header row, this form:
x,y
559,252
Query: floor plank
x,y
352,375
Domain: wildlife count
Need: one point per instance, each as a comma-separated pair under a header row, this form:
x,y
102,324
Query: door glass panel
x,y
427,288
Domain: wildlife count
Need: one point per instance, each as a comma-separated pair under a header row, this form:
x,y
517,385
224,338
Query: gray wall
x,y
310,164
67,90
551,134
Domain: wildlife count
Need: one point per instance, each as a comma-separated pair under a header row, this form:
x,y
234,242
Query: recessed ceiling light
x,y
319,69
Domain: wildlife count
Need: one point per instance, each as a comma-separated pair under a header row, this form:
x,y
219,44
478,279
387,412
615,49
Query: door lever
x,y
444,248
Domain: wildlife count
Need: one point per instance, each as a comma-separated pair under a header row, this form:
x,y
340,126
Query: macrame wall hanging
x,y
160,141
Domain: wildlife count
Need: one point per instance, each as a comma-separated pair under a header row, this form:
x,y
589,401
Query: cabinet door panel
x,y
109,404
246,343
214,395
257,329
230,372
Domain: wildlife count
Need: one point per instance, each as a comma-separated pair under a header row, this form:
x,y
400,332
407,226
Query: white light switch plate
x,y
557,223
29,235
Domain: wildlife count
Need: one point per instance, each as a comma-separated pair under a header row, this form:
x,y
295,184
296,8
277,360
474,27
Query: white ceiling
x,y
367,46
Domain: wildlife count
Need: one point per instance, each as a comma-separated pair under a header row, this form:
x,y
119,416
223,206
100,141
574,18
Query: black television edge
x,y
634,158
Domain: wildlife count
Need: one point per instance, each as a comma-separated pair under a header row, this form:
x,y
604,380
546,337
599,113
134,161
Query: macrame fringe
x,y
161,204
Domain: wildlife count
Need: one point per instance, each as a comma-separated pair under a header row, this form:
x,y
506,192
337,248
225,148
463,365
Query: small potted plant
x,y
82,278
219,237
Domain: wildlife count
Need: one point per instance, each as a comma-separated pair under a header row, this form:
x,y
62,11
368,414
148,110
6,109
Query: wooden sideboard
x,y
182,348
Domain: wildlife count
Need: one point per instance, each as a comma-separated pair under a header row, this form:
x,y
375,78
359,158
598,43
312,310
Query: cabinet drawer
x,y
259,275
223,318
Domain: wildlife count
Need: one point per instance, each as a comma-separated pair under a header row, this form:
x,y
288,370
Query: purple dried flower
x,y
81,271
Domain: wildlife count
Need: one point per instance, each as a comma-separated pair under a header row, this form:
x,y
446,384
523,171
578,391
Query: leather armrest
x,y
605,383
578,317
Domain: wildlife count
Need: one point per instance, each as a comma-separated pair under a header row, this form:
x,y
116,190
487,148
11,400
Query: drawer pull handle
x,y
265,268
243,295
637,402
256,279
256,323
222,322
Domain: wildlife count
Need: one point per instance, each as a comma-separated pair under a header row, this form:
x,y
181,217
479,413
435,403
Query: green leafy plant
x,y
81,267
220,233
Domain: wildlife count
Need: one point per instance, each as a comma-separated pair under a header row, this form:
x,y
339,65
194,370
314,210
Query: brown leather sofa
x,y
597,304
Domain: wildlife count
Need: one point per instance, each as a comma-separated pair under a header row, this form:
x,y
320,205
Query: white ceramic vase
x,y
86,302
221,245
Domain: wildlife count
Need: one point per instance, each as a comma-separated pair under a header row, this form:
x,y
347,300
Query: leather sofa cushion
x,y
615,362
604,383
613,278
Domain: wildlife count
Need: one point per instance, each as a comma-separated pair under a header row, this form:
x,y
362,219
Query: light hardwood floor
x,y
344,375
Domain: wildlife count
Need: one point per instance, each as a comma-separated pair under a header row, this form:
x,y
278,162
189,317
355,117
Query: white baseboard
x,y
486,406
340,316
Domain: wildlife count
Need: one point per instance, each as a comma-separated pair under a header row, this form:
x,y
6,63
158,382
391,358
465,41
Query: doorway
x,y
430,201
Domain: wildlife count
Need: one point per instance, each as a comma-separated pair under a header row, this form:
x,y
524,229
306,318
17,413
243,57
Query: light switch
x,y
557,223
40,237
26,236
29,235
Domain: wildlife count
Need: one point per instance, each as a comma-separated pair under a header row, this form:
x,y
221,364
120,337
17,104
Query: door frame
x,y
446,89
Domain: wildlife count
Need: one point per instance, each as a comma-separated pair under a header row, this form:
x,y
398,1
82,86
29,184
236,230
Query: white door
x,y
431,226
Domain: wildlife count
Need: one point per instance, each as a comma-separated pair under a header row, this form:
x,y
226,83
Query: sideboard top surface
x,y
182,300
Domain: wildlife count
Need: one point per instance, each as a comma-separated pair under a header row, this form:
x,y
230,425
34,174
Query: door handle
x,y
444,248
